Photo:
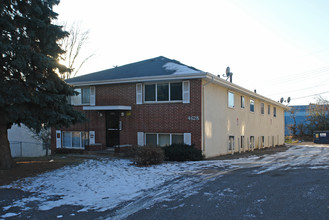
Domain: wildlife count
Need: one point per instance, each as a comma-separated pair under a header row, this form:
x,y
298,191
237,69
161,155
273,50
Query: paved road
x,y
292,184
240,194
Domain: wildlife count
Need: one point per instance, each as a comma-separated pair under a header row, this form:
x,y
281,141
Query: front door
x,y
113,128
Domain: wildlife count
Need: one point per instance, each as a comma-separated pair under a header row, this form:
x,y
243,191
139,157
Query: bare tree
x,y
318,117
293,127
73,45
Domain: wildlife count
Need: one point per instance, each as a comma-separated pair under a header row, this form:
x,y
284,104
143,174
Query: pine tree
x,y
30,90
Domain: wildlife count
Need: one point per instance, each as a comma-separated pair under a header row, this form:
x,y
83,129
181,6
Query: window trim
x,y
169,92
269,109
243,102
81,96
274,112
253,101
262,108
228,99
80,139
231,148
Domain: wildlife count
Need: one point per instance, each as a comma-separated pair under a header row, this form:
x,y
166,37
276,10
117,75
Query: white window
x,y
163,139
274,111
262,108
163,92
230,99
83,98
252,105
242,142
242,102
75,139
231,143
268,109
252,142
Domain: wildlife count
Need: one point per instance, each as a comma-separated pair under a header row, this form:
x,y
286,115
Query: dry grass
x,y
27,167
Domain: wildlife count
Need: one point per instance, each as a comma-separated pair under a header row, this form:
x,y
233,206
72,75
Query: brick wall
x,y
157,118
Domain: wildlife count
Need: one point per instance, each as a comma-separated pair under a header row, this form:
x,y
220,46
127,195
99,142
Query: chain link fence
x,y
28,149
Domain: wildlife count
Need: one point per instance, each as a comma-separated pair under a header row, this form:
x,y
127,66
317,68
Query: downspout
x,y
203,113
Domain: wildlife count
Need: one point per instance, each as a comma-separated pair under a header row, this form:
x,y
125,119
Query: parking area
x,y
285,184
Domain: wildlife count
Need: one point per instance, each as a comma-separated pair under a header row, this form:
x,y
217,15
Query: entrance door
x,y
113,128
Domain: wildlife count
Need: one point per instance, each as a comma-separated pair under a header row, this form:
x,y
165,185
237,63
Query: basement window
x,y
75,139
162,140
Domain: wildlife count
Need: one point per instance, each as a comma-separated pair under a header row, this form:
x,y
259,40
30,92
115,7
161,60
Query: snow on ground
x,y
103,184
179,69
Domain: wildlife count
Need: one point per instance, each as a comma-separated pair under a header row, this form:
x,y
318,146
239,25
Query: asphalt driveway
x,y
291,184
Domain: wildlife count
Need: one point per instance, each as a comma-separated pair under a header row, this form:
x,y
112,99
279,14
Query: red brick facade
x,y
147,118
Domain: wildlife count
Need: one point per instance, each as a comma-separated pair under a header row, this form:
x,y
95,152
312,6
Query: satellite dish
x,y
228,71
281,100
288,100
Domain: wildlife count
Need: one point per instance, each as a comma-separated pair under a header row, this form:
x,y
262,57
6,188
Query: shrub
x,y
149,155
182,152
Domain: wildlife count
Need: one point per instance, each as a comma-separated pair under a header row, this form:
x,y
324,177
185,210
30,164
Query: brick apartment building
x,y
160,102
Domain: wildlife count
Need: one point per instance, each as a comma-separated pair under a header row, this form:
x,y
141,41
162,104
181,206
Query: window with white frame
x,y
83,98
162,139
274,111
242,102
231,143
252,105
75,139
163,92
230,96
268,109
262,108
252,142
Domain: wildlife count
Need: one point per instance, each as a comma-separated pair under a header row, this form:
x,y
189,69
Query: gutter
x,y
203,113
142,79
234,87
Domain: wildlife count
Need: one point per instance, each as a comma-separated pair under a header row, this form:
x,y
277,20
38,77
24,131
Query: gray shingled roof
x,y
159,66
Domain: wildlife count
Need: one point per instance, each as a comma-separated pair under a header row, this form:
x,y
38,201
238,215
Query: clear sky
x,y
279,47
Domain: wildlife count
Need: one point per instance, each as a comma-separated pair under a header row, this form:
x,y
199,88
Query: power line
x,y
307,88
322,71
310,95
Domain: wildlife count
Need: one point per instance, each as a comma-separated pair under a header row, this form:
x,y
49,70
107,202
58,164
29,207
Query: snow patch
x,y
179,69
106,184
9,214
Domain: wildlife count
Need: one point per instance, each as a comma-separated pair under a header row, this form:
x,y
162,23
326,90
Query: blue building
x,y
300,112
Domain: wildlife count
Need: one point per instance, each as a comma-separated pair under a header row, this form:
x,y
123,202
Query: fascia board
x,y
216,80
142,79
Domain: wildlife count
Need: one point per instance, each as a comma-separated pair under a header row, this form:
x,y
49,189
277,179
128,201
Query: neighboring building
x,y
161,101
300,112
23,142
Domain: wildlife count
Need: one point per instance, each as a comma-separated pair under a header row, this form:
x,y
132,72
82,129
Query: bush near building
x,y
182,152
149,155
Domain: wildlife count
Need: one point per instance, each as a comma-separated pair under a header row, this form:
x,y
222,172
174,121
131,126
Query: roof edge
x,y
216,80
141,79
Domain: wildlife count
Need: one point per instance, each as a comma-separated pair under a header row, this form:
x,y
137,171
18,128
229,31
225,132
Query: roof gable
x,y
159,66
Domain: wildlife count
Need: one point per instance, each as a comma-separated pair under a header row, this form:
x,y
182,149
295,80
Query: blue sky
x,y
278,47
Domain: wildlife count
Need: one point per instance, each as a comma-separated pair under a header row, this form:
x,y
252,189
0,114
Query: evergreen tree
x,y
30,90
